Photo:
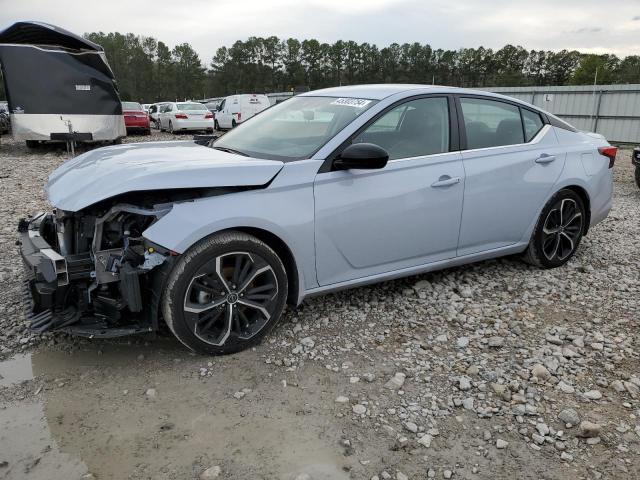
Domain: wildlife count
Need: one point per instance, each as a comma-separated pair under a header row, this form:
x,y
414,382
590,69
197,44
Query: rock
x,y
151,393
369,377
464,384
540,371
303,476
412,427
447,474
342,399
543,429
239,395
496,342
539,439
308,342
210,473
569,415
467,403
593,394
632,389
617,385
442,338
565,387
401,476
353,380
462,342
566,457
501,444
473,370
425,440
359,409
589,429
396,382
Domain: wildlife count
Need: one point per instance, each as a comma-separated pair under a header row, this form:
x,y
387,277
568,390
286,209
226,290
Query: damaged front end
x,y
92,273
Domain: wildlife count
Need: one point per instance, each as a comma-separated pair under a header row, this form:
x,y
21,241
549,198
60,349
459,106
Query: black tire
x,y
233,124
147,131
554,245
32,143
216,126
638,176
171,128
208,311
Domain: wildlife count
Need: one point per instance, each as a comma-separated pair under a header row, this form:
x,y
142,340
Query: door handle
x,y
446,181
545,158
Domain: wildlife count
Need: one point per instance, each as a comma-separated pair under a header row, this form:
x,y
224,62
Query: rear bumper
x,y
133,123
179,124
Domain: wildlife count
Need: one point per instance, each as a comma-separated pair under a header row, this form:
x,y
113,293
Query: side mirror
x,y
366,156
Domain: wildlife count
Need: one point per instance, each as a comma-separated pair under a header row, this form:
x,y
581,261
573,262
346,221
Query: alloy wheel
x,y
231,297
562,230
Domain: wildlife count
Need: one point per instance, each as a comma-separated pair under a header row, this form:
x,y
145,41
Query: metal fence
x,y
611,110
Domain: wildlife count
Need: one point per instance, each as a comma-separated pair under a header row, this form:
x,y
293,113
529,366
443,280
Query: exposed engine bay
x,y
89,272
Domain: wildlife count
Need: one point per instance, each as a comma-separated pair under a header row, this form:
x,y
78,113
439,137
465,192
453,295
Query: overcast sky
x,y
599,26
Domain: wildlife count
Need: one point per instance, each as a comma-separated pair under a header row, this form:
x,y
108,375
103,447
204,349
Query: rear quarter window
x,y
532,122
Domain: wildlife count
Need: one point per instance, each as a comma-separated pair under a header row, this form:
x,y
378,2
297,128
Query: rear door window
x,y
490,123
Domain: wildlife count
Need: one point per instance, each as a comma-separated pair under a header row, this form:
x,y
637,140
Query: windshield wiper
x,y
230,150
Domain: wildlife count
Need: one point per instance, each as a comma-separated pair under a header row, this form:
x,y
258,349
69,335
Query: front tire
x,y
225,293
171,127
558,232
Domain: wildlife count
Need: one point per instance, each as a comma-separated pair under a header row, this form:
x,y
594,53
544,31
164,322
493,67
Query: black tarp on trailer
x,y
54,78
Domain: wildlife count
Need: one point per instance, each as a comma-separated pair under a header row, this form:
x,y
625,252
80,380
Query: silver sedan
x,y
329,190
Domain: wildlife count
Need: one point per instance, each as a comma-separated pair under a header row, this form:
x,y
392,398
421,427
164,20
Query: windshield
x,y
295,129
131,106
190,107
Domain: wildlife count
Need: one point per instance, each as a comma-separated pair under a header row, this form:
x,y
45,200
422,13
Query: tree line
x,y
148,70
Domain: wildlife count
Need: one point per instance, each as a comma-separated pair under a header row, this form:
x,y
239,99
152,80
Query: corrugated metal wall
x,y
611,110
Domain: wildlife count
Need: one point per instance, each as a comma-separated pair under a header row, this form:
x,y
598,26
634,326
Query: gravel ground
x,y
493,370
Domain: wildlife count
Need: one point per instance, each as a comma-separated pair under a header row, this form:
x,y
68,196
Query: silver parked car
x,y
331,189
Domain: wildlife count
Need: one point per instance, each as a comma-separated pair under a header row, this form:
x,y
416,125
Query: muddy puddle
x,y
126,412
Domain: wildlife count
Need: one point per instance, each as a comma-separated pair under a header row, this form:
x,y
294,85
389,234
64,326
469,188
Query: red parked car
x,y
135,118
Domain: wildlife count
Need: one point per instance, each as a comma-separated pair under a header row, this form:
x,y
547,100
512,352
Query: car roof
x,y
384,90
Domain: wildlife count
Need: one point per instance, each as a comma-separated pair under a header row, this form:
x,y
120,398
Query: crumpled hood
x,y
110,171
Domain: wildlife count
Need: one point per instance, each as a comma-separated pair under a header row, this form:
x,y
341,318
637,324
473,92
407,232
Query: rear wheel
x,y
32,143
171,127
225,294
215,125
558,232
638,176
233,124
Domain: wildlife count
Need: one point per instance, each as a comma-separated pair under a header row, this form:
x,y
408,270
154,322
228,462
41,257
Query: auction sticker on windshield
x,y
351,102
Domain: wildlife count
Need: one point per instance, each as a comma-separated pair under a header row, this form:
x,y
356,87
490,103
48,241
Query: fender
x,y
284,209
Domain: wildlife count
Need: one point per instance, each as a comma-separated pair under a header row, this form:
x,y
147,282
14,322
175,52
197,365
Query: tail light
x,y
239,116
610,153
209,115
182,116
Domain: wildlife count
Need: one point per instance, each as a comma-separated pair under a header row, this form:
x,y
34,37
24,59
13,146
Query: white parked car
x,y
154,113
235,109
184,116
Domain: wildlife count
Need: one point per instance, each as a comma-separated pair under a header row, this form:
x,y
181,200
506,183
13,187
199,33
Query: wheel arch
x,y
584,196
